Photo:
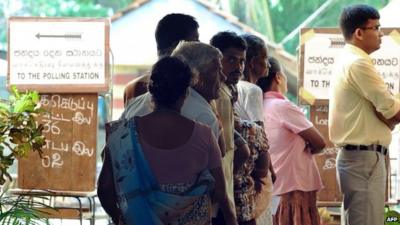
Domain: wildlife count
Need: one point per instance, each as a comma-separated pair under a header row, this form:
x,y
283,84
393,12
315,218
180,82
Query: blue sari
x,y
140,198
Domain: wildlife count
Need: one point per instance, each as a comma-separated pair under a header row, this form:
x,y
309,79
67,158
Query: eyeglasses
x,y
376,28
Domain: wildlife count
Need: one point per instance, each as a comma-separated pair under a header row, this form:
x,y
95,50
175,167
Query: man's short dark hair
x,y
227,39
356,16
173,28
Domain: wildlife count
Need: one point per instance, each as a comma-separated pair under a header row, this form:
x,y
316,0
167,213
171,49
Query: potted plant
x,y
19,134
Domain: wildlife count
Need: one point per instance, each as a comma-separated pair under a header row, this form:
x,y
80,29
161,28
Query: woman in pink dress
x,y
293,140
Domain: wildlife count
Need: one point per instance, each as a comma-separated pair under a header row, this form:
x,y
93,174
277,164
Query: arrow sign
x,y
68,36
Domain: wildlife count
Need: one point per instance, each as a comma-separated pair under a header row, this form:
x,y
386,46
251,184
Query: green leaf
x,y
35,96
22,150
22,210
14,91
4,106
19,131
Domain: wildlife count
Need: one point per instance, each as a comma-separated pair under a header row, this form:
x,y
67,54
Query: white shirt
x,y
249,105
138,106
195,108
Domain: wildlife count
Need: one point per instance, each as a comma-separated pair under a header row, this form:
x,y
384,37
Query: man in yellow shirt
x,y
361,112
233,49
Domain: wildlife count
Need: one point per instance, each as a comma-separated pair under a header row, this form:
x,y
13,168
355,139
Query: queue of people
x,y
208,136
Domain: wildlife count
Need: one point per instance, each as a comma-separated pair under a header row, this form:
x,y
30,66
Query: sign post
x,y
59,55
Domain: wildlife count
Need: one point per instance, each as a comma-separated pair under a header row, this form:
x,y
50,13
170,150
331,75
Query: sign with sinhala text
x,y
58,54
321,49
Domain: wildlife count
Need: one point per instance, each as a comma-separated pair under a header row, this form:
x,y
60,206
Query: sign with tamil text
x,y
59,54
70,128
326,161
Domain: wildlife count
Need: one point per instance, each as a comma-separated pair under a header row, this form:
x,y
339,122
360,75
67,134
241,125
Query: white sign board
x,y
321,51
319,62
387,62
45,53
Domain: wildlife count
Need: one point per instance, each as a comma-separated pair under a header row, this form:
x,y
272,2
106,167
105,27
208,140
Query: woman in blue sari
x,y
163,168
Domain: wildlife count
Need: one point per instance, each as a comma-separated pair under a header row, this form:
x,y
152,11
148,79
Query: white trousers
x,y
362,180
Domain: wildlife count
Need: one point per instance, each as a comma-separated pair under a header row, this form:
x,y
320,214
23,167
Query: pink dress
x,y
295,167
185,163
176,170
297,176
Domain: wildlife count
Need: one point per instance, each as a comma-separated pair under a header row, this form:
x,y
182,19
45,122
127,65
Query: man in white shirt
x,y
233,49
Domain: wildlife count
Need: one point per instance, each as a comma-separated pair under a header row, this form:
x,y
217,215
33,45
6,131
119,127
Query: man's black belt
x,y
378,148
